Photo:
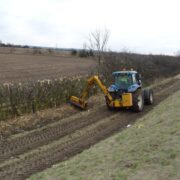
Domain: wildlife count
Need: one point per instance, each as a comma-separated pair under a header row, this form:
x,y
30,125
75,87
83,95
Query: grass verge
x,y
149,149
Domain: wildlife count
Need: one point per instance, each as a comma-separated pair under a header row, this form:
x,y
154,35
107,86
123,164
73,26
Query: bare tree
x,y
97,43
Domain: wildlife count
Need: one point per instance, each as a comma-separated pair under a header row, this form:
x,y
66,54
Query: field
x,y
25,66
52,137
54,131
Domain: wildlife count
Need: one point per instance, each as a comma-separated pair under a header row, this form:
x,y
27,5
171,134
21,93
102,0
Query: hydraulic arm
x,y
81,102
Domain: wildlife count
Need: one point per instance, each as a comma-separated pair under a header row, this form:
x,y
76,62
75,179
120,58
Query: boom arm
x,y
80,102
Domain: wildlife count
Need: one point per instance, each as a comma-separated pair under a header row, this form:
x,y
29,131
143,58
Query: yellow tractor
x,y
126,92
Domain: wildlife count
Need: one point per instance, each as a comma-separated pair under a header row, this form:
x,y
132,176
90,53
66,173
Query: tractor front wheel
x,y
138,101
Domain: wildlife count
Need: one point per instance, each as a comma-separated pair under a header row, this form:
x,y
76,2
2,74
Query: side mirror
x,y
138,79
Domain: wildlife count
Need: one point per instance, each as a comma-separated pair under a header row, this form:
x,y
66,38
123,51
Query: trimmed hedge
x,y
17,99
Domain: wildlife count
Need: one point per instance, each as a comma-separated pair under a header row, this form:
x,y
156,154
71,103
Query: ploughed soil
x,y
23,67
26,148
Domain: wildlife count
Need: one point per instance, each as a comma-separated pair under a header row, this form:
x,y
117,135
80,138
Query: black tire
x,y
148,96
138,101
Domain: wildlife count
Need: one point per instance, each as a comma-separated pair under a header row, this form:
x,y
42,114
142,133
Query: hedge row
x,y
151,67
17,99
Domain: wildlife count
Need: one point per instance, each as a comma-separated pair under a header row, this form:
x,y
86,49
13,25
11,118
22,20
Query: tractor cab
x,y
125,82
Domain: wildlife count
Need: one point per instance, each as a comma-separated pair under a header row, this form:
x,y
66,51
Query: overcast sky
x,y
145,26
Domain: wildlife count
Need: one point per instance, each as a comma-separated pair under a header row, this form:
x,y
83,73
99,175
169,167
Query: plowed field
x,y
23,67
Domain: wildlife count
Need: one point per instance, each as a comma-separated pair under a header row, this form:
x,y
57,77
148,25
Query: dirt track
x,y
26,153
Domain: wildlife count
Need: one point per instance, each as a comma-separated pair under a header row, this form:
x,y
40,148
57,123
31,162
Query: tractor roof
x,y
124,72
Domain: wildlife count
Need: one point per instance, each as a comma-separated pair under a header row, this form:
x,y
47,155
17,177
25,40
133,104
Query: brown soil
x,y
23,67
26,153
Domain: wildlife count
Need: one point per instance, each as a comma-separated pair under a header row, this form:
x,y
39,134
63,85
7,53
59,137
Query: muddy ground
x,y
54,138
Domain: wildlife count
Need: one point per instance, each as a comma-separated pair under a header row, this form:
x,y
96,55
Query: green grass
x,y
147,150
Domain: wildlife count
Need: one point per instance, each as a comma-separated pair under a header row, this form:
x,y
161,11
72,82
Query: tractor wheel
x,y
138,101
148,96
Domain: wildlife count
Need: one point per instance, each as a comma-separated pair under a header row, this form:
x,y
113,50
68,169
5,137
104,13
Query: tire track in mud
x,y
76,141
60,150
19,144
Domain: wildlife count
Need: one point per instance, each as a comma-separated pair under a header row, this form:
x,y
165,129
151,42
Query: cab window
x,y
134,79
123,79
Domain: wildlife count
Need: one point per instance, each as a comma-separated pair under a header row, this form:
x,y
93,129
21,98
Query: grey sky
x,y
145,26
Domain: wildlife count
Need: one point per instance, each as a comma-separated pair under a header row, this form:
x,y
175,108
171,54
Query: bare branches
x,y
97,42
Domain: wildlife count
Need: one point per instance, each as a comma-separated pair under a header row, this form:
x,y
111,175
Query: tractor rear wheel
x,y
148,96
138,101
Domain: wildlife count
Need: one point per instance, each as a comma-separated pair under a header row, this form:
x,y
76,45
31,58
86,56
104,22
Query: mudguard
x,y
113,88
133,88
